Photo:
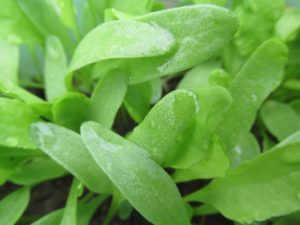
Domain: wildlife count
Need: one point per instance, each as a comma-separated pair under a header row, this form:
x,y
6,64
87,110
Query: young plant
x,y
134,101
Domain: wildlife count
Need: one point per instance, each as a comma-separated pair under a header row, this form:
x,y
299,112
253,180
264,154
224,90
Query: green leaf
x,y
214,165
107,98
121,39
67,149
207,28
132,6
246,149
140,96
9,61
84,213
71,110
55,68
211,30
264,187
146,185
288,26
292,219
280,119
9,89
216,2
14,127
198,77
197,139
40,13
257,19
36,171
13,206
15,27
70,211
85,20
168,119
249,88
8,165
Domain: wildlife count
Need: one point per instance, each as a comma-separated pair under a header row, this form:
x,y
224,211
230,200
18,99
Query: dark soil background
x,y
52,195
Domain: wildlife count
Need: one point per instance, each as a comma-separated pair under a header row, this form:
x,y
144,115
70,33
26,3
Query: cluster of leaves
x,y
73,73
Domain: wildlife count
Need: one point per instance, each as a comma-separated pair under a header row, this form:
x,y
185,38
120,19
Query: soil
x,y
52,195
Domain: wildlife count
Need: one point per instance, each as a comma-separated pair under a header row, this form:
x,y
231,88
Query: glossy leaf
x,y
13,206
145,185
67,149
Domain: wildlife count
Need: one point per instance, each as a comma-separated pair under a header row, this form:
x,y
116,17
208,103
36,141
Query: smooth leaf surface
x,y
147,183
140,96
107,98
71,110
13,206
9,61
70,212
67,149
36,171
40,13
249,88
214,165
280,119
14,127
264,187
55,68
84,213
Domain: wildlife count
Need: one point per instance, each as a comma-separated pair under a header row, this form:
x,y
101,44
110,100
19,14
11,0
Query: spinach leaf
x,y
13,206
264,187
159,131
146,184
280,119
249,88
67,149
55,68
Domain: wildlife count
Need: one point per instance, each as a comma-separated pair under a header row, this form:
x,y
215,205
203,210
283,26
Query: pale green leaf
x,y
13,206
55,68
146,184
67,149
